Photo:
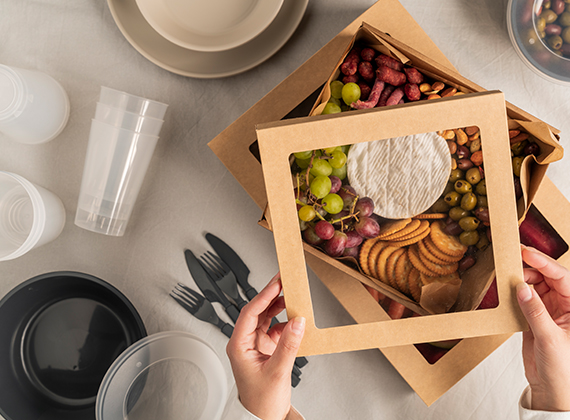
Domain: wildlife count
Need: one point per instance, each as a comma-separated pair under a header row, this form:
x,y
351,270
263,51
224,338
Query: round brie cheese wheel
x,y
404,176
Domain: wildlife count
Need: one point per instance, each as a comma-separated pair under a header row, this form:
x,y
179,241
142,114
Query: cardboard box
x,y
277,141
295,96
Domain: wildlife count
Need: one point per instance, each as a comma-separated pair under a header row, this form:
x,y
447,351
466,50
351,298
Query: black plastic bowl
x,y
59,334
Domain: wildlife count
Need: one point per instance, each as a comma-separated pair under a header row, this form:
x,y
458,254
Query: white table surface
x,y
188,191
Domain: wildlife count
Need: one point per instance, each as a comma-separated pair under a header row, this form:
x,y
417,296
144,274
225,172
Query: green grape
x,y
336,89
331,108
332,203
340,172
304,155
345,148
302,163
338,160
321,186
307,213
350,93
321,167
329,150
334,101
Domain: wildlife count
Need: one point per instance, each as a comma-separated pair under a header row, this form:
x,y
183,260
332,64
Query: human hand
x,y
262,359
546,345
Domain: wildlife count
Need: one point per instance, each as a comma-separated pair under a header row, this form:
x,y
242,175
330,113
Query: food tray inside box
x,y
485,110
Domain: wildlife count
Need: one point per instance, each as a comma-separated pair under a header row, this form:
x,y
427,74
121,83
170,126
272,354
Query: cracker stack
x,y
411,253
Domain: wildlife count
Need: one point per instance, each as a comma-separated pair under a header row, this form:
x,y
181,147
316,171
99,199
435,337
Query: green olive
x,y
469,223
468,201
546,4
532,38
481,188
473,176
517,163
555,42
518,148
549,16
456,175
482,201
566,34
483,242
462,186
457,213
452,198
469,238
564,19
440,206
540,24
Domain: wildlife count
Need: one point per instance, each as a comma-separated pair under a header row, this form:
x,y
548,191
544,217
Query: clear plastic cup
x,y
132,103
115,166
30,216
34,107
127,120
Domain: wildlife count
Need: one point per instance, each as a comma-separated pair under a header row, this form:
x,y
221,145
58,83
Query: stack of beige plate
x,y
207,39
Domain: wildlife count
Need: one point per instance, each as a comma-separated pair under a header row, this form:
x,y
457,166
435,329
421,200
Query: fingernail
x,y
275,278
298,325
523,292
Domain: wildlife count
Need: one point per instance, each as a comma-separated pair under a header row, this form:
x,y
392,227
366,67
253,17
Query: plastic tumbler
x,y
127,120
34,107
30,216
115,165
132,103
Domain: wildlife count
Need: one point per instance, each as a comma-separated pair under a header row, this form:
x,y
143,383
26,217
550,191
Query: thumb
x,y
533,309
288,346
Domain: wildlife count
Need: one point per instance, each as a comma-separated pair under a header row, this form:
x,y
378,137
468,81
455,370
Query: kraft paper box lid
x,y
277,141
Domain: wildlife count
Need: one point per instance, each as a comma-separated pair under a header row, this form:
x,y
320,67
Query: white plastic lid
x,y
10,92
168,376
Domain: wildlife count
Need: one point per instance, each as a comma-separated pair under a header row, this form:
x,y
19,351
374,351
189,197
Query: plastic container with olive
x,y
552,24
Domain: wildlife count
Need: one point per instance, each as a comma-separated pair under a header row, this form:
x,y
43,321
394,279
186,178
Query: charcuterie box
x,y
238,149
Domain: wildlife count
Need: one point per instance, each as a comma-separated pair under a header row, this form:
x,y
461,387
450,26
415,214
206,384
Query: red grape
x,y
336,183
324,230
335,246
367,227
353,239
351,252
365,206
348,194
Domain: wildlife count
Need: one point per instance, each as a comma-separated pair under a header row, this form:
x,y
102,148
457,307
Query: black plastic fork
x,y
200,307
224,277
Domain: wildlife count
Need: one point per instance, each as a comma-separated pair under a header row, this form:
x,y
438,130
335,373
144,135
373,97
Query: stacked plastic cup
x,y
123,136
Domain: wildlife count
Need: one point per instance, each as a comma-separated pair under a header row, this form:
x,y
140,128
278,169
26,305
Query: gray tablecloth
x,y
188,191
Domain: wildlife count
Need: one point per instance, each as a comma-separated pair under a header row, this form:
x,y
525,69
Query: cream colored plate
x,y
201,64
211,25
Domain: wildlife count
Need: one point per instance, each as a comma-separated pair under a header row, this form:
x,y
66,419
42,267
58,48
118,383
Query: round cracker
x,y
412,240
391,266
414,284
439,269
409,228
382,259
427,254
448,244
401,273
364,253
387,229
430,216
435,251
417,262
373,257
422,227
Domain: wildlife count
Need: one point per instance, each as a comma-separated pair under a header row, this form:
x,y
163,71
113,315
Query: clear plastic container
x,y
168,376
115,166
522,20
132,103
34,107
30,216
127,120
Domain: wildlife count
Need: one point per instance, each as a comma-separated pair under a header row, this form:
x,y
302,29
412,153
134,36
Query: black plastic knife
x,y
208,287
234,262
232,259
